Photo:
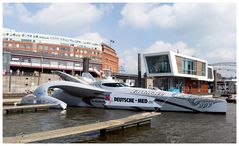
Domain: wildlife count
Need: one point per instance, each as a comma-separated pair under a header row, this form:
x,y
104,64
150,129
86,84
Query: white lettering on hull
x,y
119,99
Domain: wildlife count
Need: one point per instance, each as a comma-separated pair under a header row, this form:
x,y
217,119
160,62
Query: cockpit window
x,y
114,84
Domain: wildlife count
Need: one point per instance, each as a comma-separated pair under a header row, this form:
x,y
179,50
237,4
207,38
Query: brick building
x,y
30,52
110,59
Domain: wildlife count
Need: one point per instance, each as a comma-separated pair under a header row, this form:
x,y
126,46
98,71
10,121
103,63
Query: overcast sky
x,y
204,30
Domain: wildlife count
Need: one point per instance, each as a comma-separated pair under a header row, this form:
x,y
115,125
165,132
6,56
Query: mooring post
x,y
138,124
86,62
10,81
102,131
6,112
139,70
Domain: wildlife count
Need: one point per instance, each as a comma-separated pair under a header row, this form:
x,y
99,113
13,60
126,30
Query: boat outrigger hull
x,y
110,94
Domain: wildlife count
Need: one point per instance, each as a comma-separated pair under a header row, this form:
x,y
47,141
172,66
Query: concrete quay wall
x,y
24,84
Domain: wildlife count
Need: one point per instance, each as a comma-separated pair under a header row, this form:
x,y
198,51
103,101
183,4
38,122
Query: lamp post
x,y
10,80
42,64
139,70
42,61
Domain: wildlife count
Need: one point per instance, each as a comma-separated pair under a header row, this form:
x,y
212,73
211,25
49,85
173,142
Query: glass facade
x,y
158,64
26,59
54,63
203,69
176,83
77,64
16,59
210,73
70,64
36,60
46,62
189,66
62,63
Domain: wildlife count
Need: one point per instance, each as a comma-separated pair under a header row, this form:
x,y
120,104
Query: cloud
x,y
135,15
222,55
58,17
218,48
18,11
210,28
181,47
106,8
179,16
92,36
129,60
67,14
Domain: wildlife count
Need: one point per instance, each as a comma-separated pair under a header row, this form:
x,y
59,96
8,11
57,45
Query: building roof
x,y
173,53
176,67
11,34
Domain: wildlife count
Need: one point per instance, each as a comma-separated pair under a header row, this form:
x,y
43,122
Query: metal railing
x,y
197,91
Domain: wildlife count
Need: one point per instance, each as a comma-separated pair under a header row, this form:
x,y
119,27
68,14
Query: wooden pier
x,y
7,109
13,95
136,119
13,101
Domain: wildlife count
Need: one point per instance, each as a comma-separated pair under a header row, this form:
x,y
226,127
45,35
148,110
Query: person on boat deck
x,y
180,89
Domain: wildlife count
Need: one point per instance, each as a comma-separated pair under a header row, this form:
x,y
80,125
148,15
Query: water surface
x,y
169,127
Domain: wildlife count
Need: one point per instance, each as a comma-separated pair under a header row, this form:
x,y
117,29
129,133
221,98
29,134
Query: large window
x,y
40,47
210,73
70,64
62,63
16,59
26,59
77,64
54,63
36,60
45,48
158,64
189,66
46,62
114,84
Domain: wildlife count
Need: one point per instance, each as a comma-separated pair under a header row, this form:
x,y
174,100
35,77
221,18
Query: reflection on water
x,y
169,127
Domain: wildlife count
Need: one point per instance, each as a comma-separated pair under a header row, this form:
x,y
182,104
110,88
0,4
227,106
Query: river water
x,y
169,127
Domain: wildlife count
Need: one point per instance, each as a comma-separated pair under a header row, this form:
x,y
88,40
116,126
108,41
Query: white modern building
x,y
177,71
